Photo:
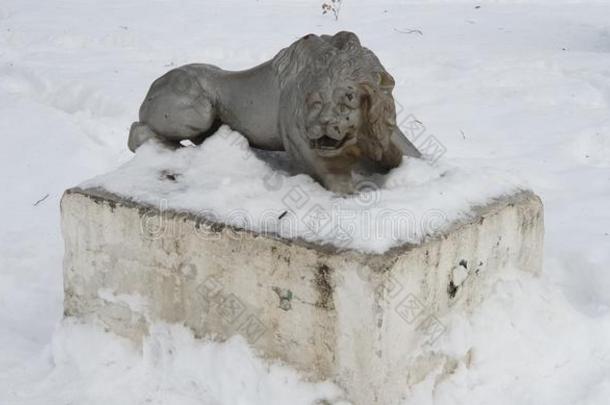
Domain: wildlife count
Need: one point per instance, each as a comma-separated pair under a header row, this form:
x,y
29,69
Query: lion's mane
x,y
336,58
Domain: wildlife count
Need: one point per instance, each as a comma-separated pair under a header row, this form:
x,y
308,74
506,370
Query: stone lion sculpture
x,y
326,100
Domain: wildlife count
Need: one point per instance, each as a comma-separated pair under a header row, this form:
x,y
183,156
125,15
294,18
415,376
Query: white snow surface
x,y
519,87
223,180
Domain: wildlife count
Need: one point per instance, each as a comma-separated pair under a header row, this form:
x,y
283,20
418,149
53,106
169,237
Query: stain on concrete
x,y
324,286
285,296
452,289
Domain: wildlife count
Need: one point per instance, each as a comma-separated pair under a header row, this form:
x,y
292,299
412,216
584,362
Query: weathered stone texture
x,y
359,319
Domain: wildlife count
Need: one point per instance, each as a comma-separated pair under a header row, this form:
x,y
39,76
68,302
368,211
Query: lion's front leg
x,y
341,183
334,175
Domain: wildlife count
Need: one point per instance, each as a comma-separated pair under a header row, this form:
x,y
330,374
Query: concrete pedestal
x,y
352,317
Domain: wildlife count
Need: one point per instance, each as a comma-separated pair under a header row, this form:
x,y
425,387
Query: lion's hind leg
x,y
176,108
140,133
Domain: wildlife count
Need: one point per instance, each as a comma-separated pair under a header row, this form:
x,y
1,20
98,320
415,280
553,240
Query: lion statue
x,y
326,100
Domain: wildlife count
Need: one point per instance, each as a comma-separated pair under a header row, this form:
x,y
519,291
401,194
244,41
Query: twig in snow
x,y
333,7
408,31
41,200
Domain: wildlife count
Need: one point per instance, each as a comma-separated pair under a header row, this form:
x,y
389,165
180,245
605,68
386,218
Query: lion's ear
x,y
345,40
386,81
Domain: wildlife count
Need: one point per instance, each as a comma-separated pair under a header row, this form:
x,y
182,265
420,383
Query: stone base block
x,y
355,318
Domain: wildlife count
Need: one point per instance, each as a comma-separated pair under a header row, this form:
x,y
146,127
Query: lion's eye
x,y
351,100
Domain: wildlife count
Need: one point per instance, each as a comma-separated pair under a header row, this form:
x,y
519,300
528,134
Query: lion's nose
x,y
326,115
334,131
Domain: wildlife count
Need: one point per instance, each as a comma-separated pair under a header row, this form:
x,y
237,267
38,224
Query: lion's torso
x,y
247,101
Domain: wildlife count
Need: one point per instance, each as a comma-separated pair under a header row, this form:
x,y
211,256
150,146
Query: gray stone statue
x,y
326,100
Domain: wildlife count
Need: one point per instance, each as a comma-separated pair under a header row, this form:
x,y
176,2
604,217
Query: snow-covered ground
x,y
522,87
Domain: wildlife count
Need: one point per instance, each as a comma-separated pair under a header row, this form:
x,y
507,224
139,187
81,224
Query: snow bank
x,y
172,369
227,181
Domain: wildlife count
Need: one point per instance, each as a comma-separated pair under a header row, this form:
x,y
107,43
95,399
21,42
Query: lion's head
x,y
336,96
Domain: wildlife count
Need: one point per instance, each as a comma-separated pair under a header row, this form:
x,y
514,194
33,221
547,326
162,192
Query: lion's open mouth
x,y
326,143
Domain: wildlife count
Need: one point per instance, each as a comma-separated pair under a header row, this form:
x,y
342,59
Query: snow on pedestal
x,y
352,289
